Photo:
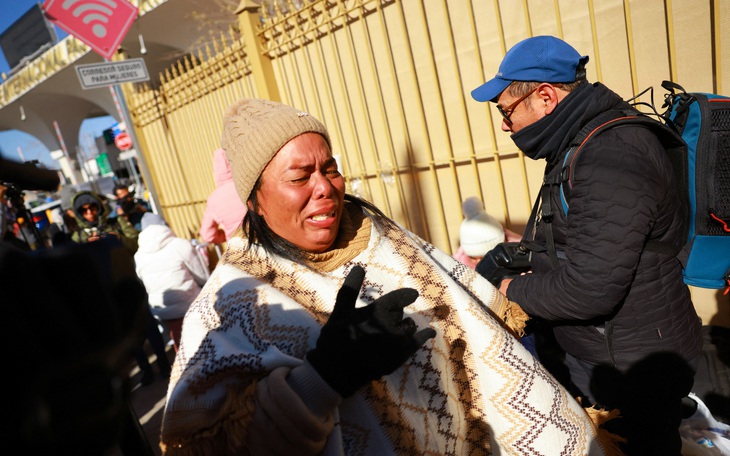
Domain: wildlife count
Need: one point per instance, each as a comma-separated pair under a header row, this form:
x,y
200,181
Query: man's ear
x,y
549,97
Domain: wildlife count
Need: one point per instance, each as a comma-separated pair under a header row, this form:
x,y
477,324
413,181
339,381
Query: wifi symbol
x,y
92,11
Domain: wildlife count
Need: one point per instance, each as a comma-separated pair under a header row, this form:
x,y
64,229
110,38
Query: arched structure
x,y
48,89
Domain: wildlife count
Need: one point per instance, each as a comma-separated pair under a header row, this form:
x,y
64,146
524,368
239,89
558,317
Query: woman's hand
x,y
358,345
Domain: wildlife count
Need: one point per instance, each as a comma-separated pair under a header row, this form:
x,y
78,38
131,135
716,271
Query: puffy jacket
x,y
170,269
610,300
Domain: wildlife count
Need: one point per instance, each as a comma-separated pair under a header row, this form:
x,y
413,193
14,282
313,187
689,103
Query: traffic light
x,y
109,136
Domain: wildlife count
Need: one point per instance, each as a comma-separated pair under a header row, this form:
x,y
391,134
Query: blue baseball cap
x,y
541,59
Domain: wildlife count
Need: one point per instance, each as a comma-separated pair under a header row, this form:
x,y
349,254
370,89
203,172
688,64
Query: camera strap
x,y
546,217
542,212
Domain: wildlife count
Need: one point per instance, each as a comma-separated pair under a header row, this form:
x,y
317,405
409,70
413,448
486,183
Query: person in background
x,y
329,329
70,226
92,217
479,233
130,207
70,223
7,223
10,238
224,209
171,271
56,231
67,192
78,309
95,224
154,337
618,309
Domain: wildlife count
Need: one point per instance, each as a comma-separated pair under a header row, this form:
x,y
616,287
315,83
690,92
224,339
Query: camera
x,y
94,231
504,260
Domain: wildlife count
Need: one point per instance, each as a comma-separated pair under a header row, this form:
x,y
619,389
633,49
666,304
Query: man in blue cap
x,y
618,309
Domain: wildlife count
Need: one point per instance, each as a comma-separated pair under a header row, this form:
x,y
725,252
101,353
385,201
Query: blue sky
x,y
13,140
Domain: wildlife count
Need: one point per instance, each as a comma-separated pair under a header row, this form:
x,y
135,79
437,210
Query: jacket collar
x,y
548,137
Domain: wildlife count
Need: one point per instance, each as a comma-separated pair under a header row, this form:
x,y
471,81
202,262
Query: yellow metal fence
x,y
391,80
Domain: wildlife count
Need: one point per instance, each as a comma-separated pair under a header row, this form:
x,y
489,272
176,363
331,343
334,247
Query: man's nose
x,y
506,126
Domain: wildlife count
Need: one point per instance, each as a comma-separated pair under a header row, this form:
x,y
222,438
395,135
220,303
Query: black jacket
x,y
610,300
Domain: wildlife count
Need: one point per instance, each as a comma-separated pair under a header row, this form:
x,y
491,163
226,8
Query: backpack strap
x,y
592,128
564,179
605,120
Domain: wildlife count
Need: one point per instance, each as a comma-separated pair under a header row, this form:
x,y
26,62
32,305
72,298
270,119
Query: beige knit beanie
x,y
253,132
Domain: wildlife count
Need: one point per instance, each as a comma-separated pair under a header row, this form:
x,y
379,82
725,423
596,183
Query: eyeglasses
x,y
85,209
507,112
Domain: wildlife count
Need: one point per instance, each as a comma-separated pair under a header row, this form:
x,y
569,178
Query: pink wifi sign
x,y
101,24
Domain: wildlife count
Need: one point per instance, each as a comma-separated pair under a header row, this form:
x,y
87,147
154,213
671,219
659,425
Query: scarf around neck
x,y
549,136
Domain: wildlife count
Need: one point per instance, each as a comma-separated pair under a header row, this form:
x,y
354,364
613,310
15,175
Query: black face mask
x,y
547,137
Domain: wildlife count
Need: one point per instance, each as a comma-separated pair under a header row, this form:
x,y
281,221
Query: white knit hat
x,y
479,232
150,218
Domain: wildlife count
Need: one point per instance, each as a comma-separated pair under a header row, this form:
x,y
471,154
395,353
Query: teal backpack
x,y
703,120
695,130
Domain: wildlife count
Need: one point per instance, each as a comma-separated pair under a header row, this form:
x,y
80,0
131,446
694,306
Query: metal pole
x,y
73,164
121,105
132,168
88,172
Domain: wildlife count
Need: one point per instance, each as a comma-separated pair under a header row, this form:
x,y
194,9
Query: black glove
x,y
359,345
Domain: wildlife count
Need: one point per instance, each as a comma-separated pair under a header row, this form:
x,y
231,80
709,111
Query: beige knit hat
x,y
480,232
253,132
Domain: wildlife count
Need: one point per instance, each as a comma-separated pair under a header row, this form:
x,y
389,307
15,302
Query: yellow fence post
x,y
261,68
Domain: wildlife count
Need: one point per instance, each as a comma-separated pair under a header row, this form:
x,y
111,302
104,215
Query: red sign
x,y
101,24
123,141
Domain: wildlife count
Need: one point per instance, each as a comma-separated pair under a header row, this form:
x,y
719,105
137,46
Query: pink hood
x,y
221,169
224,210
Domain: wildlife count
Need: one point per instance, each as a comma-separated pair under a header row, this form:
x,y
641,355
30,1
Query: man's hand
x,y
504,285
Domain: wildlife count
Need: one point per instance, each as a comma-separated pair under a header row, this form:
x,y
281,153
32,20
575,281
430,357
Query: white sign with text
x,y
109,73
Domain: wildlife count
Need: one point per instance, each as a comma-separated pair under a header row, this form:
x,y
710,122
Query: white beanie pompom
x,y
480,232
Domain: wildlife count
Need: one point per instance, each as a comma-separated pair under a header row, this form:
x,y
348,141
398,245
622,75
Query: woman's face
x,y
301,193
90,212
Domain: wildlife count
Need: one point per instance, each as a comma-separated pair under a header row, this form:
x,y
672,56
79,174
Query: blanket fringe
x,y
608,440
515,318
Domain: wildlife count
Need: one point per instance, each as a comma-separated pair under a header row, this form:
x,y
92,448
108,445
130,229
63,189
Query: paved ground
x,y
712,384
148,401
